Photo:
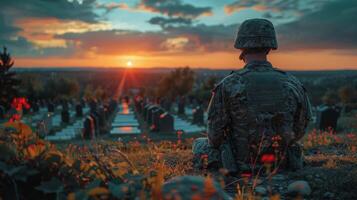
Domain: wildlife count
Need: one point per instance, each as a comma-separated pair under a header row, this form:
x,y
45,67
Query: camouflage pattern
x,y
256,33
254,105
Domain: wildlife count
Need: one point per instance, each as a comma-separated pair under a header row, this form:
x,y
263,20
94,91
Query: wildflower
x,y
246,174
268,158
15,117
351,136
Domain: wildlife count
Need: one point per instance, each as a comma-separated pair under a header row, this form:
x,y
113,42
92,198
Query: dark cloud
x,y
200,38
174,8
112,6
60,9
167,22
12,11
332,27
277,8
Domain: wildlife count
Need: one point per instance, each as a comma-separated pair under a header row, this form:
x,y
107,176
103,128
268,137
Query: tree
x,y
330,98
177,83
8,82
347,94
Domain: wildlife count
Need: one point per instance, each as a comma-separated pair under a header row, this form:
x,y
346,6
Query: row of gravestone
x,y
156,117
97,121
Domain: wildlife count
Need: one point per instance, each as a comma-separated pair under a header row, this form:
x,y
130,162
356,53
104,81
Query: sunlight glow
x,y
129,63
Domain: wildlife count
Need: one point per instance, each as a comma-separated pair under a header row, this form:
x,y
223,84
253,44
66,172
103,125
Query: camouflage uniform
x,y
252,106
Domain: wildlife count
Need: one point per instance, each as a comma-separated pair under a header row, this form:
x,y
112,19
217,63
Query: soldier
x,y
256,111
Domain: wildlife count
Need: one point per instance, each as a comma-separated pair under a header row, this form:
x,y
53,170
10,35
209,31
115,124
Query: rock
x,y
278,177
261,190
329,195
189,187
299,187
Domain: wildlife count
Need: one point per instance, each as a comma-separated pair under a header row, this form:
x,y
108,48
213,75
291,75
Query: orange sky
x,y
155,33
298,60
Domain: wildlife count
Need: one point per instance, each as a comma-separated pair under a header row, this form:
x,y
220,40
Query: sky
x,y
312,34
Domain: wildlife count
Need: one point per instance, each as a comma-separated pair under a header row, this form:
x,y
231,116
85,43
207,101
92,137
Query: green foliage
x,y
178,83
8,81
52,186
330,98
204,91
347,94
62,88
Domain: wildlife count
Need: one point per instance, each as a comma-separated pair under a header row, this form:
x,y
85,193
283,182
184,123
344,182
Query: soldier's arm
x,y
217,117
303,112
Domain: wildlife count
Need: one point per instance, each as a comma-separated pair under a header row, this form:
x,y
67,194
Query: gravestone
x,y
51,107
94,116
88,128
198,117
65,105
145,111
65,116
166,123
79,110
2,112
327,117
101,118
149,114
155,126
112,106
181,106
41,128
83,103
93,105
35,107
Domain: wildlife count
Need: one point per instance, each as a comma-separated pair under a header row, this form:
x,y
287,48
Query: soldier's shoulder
x,y
232,78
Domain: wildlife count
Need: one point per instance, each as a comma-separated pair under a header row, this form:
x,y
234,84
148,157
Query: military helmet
x,y
256,33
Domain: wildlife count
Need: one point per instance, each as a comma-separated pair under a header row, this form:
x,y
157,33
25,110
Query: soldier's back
x,y
261,101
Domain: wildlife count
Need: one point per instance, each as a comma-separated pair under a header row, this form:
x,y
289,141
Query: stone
x,y
79,110
145,110
2,112
149,114
51,107
327,117
88,128
95,117
329,195
35,107
166,123
261,190
193,187
198,115
181,106
155,126
299,188
93,105
65,116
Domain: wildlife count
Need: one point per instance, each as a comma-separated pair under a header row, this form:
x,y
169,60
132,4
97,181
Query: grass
x,y
139,167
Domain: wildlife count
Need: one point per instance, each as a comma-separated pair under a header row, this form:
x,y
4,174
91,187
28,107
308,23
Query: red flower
x,y
246,174
268,158
15,117
204,156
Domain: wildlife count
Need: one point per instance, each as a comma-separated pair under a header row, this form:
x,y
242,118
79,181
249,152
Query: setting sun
x,y
129,63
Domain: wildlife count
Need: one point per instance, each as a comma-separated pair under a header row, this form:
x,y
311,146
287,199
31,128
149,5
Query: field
x,y
108,169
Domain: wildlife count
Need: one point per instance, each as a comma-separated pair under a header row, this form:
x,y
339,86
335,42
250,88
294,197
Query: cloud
x,y
112,6
182,39
166,22
27,27
277,8
60,9
174,8
332,27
